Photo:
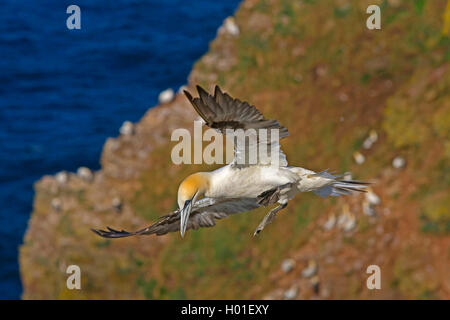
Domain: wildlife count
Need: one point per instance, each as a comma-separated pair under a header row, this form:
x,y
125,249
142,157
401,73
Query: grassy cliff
x,y
315,67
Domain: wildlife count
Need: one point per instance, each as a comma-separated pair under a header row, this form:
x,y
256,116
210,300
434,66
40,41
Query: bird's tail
x,y
339,186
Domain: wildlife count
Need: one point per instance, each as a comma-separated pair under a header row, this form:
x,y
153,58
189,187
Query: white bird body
x,y
242,185
232,182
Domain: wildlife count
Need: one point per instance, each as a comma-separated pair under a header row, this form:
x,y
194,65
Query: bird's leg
x,y
273,195
269,218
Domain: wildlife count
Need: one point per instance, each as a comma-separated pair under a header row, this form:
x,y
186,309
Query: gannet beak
x,y
185,215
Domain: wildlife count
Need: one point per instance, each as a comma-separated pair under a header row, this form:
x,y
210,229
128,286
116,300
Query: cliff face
x,y
315,67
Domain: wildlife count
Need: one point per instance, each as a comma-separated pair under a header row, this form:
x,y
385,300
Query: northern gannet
x,y
240,186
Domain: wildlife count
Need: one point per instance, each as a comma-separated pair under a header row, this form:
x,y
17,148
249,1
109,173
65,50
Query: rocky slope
x,y
314,66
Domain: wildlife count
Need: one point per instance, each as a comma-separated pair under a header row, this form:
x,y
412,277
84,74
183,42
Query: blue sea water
x,y
63,92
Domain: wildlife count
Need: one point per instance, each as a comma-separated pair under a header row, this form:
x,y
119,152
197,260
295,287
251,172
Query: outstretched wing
x,y
204,214
228,115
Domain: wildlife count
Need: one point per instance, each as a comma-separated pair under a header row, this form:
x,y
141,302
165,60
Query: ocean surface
x,y
63,92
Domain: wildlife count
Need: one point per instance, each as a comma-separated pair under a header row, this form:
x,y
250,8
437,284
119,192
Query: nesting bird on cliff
x,y
242,185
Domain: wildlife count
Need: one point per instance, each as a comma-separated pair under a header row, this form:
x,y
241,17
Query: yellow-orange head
x,y
194,185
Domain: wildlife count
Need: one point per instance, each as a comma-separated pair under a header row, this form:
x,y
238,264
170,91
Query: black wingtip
x,y
187,94
201,91
101,233
97,231
112,233
189,97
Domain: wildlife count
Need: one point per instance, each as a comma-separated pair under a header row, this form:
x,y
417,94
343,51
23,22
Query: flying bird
x,y
242,185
